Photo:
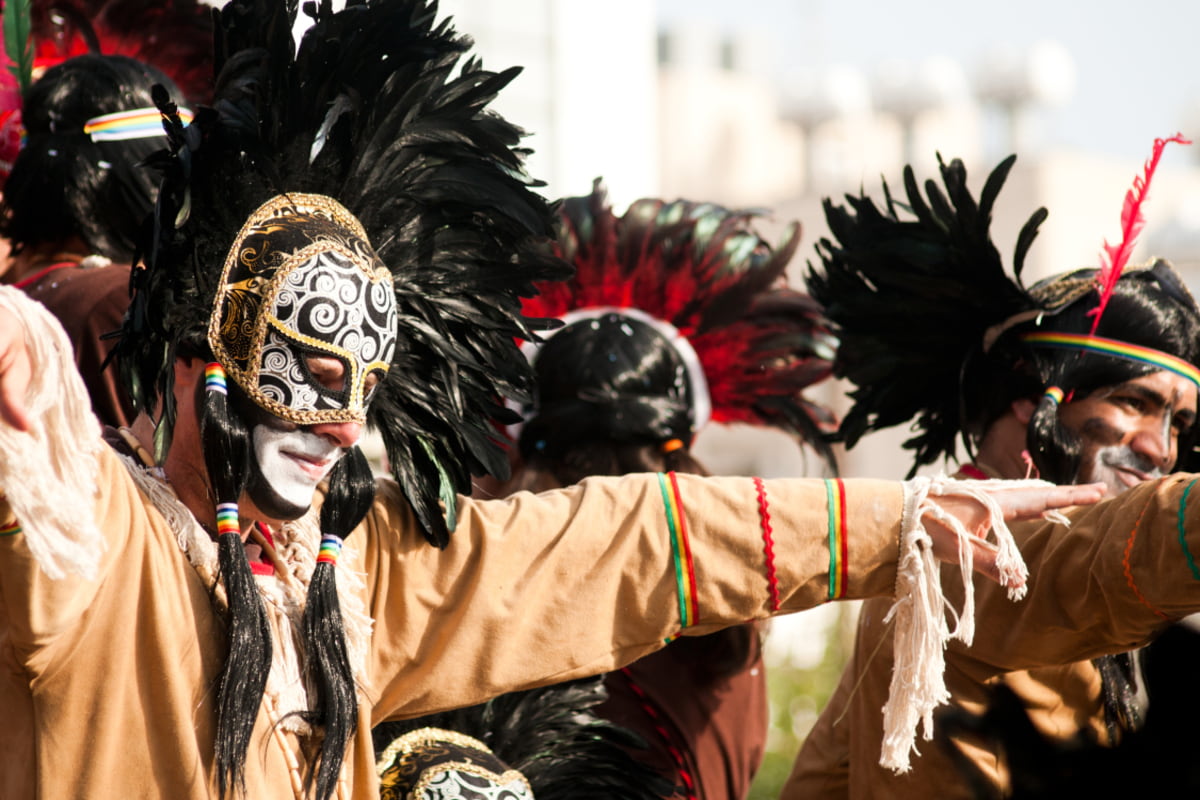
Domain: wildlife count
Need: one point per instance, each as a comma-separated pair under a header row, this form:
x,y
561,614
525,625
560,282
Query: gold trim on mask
x,y
413,761
286,232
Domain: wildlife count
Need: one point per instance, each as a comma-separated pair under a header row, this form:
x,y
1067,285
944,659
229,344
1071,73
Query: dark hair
x,y
244,674
611,392
63,184
349,497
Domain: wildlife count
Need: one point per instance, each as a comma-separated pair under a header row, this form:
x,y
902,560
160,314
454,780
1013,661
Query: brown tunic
x,y
707,735
89,302
107,684
1122,572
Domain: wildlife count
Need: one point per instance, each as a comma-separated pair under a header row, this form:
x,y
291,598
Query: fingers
x,y
1015,502
1032,502
985,559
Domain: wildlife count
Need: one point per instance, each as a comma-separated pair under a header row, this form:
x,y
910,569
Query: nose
x,y
342,434
1156,443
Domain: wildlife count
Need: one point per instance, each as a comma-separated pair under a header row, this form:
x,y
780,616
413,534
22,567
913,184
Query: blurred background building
x,y
780,103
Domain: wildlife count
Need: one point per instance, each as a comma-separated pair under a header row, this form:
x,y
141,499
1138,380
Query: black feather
x,y
910,300
553,736
379,110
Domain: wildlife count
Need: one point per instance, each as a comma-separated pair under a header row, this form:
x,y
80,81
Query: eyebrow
x,y
1186,416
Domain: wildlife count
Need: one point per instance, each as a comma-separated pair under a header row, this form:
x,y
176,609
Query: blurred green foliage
x,y
797,693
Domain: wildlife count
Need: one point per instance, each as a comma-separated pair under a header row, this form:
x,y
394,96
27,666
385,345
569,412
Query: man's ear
x,y
1023,409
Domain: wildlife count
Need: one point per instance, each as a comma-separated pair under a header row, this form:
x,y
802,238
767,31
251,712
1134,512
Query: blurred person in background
x,y
77,124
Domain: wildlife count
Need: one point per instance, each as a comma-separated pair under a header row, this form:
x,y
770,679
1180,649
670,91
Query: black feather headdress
x,y
934,329
378,110
911,300
551,735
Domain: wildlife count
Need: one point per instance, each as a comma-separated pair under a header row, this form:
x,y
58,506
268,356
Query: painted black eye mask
x,y
301,281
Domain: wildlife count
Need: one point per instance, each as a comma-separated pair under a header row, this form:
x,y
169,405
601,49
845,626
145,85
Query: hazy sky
x,y
1137,72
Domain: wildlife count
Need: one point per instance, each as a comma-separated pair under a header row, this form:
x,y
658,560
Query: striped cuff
x,y
835,496
681,552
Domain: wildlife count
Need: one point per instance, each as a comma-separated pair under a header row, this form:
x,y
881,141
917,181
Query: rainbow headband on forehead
x,y
137,123
1113,347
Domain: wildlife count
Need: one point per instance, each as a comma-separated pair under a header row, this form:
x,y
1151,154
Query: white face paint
x,y
293,462
1118,467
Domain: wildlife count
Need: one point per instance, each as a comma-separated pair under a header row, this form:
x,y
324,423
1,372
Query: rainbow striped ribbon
x,y
1114,347
835,497
331,548
11,529
214,378
685,573
227,519
1182,527
136,123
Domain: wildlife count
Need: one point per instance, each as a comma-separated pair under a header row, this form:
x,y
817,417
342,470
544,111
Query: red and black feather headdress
x,y
703,270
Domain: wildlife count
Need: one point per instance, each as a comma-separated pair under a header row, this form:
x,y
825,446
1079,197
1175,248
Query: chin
x,y
271,505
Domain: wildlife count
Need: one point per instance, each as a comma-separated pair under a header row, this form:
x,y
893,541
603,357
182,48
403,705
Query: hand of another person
x,y
16,370
1016,503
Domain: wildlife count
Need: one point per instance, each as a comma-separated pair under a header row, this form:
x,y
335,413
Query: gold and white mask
x,y
301,280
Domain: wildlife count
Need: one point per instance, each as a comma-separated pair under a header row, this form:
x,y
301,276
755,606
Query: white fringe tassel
x,y
49,473
921,610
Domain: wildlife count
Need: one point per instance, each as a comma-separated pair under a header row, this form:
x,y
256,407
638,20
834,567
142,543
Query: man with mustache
x,y
1030,380
343,240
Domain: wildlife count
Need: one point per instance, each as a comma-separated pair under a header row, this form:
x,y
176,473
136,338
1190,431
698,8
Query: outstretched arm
x,y
542,588
1017,503
1122,572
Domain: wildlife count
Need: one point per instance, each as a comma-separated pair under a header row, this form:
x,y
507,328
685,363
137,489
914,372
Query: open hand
x,y
1016,503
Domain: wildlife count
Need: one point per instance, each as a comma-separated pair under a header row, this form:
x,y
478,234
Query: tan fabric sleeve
x,y
1107,583
38,608
1121,572
536,589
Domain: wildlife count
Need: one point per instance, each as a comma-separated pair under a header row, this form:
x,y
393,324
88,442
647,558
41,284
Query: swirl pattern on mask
x,y
301,280
326,306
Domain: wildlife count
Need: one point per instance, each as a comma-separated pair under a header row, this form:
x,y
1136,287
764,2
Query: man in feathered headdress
x,y
344,240
1088,376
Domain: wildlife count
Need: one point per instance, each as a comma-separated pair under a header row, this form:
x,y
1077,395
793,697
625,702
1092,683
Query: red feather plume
x,y
175,36
1114,257
702,268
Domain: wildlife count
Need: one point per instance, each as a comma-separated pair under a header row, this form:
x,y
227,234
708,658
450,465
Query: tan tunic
x,y
107,685
1121,573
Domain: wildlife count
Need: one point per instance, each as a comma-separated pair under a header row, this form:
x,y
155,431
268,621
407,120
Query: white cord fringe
x,y
921,610
49,473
